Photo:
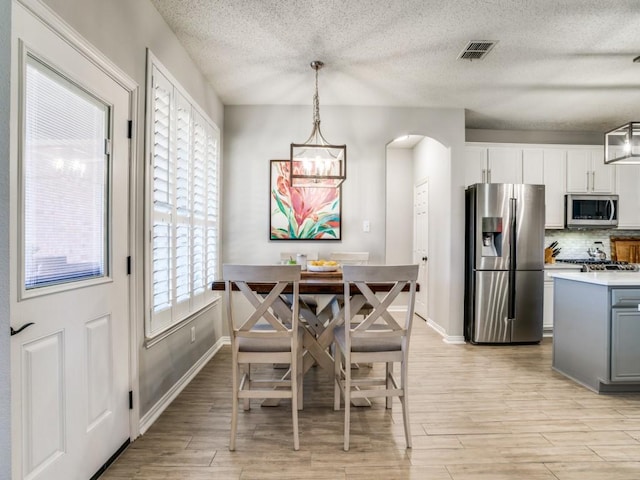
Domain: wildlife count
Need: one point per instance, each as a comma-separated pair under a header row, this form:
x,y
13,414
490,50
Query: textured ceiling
x,y
558,64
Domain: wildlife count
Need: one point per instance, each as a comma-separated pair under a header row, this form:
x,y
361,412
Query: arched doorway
x,y
417,187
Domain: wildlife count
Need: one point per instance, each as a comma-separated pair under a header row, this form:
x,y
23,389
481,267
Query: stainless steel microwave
x,y
591,211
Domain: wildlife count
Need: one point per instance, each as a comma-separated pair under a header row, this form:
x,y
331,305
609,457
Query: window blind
x,y
184,203
64,177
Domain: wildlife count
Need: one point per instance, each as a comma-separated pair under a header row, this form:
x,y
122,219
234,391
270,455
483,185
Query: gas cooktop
x,y
594,265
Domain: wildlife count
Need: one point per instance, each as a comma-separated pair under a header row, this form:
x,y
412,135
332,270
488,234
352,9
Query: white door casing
x,y
421,245
70,373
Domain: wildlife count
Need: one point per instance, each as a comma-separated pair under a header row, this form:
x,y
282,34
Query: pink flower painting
x,y
302,213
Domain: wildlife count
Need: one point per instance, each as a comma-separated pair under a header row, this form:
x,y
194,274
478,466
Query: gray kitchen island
x,y
596,334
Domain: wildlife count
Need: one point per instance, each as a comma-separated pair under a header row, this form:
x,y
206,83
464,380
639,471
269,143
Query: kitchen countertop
x,y
562,266
613,279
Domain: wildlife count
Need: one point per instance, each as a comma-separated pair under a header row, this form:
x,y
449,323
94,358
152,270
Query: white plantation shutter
x,y
161,266
183,203
212,207
183,240
183,157
199,204
163,193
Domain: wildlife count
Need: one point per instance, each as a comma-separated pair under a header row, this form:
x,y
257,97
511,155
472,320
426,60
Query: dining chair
x,y
353,258
350,258
268,333
379,338
309,303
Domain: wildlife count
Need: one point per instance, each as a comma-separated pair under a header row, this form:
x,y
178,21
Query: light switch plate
x,y
366,226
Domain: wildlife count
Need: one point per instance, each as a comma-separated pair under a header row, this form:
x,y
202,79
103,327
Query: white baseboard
x,y
154,412
451,339
398,309
454,339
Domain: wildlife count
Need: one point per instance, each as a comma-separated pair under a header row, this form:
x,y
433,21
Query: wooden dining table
x,y
318,334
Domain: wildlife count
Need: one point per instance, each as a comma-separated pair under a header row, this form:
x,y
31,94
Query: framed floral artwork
x,y
302,213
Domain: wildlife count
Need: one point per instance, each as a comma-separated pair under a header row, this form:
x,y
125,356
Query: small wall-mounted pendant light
x,y
622,144
316,162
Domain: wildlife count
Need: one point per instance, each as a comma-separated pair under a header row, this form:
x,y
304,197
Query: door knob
x,y
424,259
15,332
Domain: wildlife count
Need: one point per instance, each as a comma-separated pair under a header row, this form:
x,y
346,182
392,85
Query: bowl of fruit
x,y
322,266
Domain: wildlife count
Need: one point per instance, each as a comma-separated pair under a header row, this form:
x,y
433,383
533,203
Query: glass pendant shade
x,y
622,144
316,162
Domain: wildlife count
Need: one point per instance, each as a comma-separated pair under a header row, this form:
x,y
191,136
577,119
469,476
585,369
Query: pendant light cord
x,y
316,103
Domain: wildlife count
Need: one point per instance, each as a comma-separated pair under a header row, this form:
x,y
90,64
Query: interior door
x,y
69,241
421,246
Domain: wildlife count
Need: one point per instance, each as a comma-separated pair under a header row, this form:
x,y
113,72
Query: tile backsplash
x,y
574,243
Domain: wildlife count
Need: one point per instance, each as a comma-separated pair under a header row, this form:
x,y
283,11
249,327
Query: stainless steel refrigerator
x,y
504,261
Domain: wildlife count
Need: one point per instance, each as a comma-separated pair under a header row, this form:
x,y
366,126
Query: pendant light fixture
x,y
622,144
316,162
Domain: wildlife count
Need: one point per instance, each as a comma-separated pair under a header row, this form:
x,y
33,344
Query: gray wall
x,y
399,206
256,134
122,30
432,162
428,161
535,136
5,380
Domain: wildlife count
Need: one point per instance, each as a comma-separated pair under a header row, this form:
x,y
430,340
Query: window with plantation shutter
x,y
183,203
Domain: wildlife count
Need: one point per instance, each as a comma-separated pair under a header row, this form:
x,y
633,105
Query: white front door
x,y
69,242
420,244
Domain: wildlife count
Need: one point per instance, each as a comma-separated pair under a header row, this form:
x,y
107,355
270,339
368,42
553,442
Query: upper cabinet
x,y
547,166
492,165
561,168
627,182
475,165
504,165
587,172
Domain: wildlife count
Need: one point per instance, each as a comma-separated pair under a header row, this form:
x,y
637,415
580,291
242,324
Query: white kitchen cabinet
x,y
547,307
561,168
533,166
487,164
475,164
547,299
547,166
628,189
587,172
504,165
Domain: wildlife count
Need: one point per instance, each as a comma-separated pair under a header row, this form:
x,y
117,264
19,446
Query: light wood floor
x,y
477,412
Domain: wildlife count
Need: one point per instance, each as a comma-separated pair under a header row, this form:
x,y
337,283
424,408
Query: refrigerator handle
x,y
511,305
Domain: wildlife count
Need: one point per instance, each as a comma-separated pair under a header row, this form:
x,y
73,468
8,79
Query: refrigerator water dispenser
x,y
491,236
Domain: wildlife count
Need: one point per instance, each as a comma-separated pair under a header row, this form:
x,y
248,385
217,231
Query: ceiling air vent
x,y
476,50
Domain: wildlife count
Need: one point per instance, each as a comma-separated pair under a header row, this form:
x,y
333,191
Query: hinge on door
x,y
130,129
130,399
129,265
107,146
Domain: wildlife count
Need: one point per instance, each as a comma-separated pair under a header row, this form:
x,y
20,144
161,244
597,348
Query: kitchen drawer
x,y
625,297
